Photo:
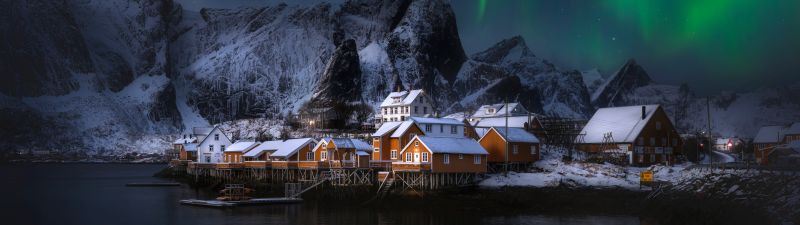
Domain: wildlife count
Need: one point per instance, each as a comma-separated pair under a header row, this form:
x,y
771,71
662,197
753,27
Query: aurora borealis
x,y
713,45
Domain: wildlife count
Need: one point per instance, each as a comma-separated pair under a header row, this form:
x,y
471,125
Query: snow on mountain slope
x,y
592,79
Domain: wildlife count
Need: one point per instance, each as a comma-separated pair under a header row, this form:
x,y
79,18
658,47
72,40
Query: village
x,y
408,147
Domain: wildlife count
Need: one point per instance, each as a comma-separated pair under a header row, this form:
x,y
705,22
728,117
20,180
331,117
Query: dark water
x,y
96,194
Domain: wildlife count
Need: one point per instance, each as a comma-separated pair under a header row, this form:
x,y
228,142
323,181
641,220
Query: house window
x,y
222,148
421,100
394,154
416,143
652,158
424,109
533,150
477,159
428,128
460,156
211,148
216,137
384,111
441,128
453,129
402,118
446,159
407,109
658,125
425,157
323,155
416,109
641,141
652,141
309,156
641,157
491,111
408,156
515,149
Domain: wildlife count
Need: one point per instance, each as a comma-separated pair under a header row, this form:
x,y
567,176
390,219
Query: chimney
x,y
644,112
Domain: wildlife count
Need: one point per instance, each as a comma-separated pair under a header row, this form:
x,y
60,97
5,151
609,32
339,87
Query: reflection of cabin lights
x,y
730,144
311,122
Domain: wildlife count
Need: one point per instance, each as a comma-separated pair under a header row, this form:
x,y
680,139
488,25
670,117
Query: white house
x,y
440,127
211,147
399,106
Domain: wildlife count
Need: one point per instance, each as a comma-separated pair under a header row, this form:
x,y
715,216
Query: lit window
x,y
446,159
477,159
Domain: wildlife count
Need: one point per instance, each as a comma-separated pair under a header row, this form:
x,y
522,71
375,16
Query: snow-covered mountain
x,y
117,76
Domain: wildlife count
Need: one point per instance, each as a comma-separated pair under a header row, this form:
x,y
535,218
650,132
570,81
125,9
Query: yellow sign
x,y
646,176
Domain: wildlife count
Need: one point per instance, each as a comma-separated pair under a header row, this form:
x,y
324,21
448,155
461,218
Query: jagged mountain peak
x,y
628,78
510,49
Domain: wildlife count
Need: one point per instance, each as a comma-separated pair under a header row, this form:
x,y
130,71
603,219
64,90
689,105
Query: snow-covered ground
x,y
554,172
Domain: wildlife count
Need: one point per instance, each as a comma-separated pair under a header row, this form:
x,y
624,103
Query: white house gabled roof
x,y
203,139
515,135
407,97
263,147
241,146
291,146
625,123
432,120
402,129
496,110
385,128
769,134
455,145
513,121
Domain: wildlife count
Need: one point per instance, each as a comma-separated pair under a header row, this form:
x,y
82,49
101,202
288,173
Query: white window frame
x,y
393,154
222,148
309,156
533,149
424,156
514,149
453,129
408,157
476,159
216,137
211,148
323,155
446,158
428,127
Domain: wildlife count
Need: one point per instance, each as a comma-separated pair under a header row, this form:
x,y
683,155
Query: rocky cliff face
x,y
148,69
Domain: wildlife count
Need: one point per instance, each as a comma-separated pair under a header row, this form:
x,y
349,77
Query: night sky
x,y
714,45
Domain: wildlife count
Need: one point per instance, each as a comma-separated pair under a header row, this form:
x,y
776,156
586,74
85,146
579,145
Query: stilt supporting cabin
x,y
421,181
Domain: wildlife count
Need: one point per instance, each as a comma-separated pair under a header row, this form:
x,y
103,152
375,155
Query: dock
x,y
229,204
152,184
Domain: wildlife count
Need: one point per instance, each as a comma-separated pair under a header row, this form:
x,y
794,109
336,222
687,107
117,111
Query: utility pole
x,y
506,116
708,110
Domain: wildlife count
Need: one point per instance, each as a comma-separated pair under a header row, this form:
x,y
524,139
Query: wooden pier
x,y
228,204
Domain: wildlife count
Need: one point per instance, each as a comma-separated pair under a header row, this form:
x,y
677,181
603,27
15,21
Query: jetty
x,y
229,204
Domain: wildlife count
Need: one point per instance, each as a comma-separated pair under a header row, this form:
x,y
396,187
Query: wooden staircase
x,y
386,185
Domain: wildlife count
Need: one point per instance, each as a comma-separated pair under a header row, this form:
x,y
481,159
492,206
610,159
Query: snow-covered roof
x,y
794,128
402,129
457,145
769,134
406,97
481,131
362,153
496,110
291,146
513,121
263,147
204,137
516,135
432,120
241,146
385,128
188,139
359,145
624,123
190,147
